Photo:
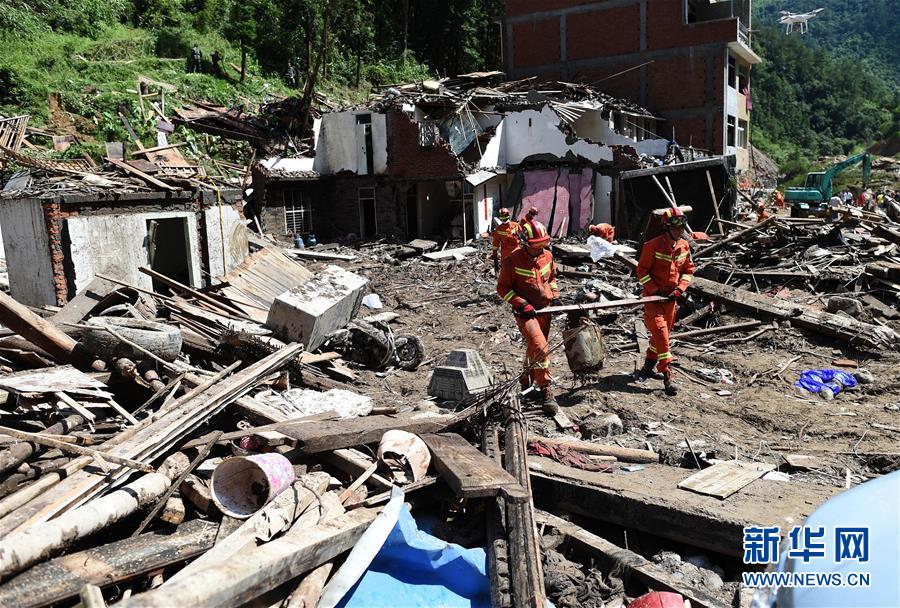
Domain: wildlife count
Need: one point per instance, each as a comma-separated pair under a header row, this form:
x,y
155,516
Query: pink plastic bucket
x,y
243,485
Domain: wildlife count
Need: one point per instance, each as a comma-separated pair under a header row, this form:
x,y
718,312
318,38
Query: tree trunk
x,y
405,29
243,61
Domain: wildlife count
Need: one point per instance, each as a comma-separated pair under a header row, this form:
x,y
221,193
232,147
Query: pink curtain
x,y
540,190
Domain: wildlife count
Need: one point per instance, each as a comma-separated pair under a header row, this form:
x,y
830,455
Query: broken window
x,y
732,72
366,158
742,134
731,131
297,212
428,134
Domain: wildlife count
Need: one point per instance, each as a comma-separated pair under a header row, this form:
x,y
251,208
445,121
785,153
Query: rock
x,y
864,376
602,425
851,306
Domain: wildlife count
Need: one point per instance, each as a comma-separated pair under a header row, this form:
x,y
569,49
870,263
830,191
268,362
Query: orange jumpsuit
x,y
527,280
604,231
762,214
662,268
506,238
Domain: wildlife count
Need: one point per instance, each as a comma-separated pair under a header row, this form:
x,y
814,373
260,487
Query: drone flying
x,y
790,19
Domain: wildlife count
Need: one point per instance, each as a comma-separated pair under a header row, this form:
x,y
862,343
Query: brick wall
x,y
605,33
666,28
677,82
536,42
406,159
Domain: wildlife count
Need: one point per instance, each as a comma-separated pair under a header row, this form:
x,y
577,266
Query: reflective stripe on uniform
x,y
687,278
546,269
659,255
664,356
541,364
509,296
525,272
553,286
681,257
652,349
644,280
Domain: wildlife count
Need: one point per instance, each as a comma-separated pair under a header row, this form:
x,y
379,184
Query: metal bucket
x,y
243,485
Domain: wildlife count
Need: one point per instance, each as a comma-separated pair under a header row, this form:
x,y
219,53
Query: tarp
x,y
564,198
413,568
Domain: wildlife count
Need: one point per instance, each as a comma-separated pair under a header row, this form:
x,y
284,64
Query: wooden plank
x,y
734,237
351,432
61,578
715,203
71,403
647,500
191,291
446,254
725,478
311,254
630,564
157,148
599,449
839,326
75,449
138,173
470,473
269,565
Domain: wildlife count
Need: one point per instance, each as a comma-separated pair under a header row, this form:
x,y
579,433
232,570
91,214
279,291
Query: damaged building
x,y
440,158
56,243
688,60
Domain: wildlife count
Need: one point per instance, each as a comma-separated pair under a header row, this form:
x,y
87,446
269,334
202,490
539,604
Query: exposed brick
x,y
666,28
603,33
407,159
679,82
689,131
626,86
536,42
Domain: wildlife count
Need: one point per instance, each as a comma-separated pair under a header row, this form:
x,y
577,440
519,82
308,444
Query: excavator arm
x,y
828,178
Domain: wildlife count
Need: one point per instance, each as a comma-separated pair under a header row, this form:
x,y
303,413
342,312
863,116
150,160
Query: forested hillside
x,y
865,31
826,92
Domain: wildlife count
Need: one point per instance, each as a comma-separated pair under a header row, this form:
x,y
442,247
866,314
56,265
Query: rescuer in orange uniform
x,y
505,237
528,282
604,231
664,269
529,216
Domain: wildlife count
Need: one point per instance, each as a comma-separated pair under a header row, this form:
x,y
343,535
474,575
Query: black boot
x,y
548,402
647,371
669,384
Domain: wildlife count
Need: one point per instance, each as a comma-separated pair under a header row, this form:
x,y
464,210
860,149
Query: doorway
x,y
168,251
368,219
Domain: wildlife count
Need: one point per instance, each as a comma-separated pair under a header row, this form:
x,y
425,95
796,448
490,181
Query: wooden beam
x,y
157,148
599,449
721,329
715,203
734,237
75,449
18,453
41,332
648,500
266,567
138,173
470,473
62,578
844,328
193,292
630,564
527,576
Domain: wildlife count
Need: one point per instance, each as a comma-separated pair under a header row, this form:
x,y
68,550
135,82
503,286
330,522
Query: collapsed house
x,y
440,158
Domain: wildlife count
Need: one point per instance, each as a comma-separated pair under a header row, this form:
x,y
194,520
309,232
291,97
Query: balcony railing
x,y
743,34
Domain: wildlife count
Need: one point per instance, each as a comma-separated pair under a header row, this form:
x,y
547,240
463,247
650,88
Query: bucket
x,y
585,350
243,485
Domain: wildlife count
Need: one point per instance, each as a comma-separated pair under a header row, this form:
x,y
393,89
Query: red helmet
x,y
674,216
532,213
535,233
504,214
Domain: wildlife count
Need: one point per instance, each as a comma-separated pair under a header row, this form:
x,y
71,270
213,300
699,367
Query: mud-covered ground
x,y
760,416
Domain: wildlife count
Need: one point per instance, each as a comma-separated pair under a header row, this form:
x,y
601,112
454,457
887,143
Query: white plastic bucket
x,y
243,485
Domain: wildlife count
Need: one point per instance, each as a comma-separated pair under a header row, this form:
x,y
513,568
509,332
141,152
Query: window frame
x,y
289,198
